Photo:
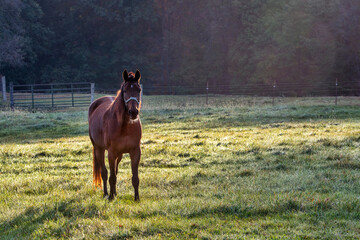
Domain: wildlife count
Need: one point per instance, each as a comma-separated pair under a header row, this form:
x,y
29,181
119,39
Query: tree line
x,y
234,46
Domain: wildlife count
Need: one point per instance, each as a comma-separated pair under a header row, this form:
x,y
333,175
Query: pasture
x,y
240,169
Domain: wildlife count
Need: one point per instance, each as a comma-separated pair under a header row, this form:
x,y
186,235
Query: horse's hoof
x,y
111,197
137,199
106,196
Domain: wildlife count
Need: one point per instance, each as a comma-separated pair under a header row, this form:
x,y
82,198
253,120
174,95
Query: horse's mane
x,y
131,75
118,93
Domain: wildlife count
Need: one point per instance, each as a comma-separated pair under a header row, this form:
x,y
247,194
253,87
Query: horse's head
x,y
131,93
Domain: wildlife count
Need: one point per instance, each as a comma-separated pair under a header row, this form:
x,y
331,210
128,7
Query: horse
x,y
114,125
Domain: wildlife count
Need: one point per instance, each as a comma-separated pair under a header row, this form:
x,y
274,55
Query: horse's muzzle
x,y
133,114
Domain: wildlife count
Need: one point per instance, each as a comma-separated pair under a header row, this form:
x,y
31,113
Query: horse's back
x,y
96,116
104,102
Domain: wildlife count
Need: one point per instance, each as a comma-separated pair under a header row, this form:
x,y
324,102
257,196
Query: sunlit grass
x,y
236,170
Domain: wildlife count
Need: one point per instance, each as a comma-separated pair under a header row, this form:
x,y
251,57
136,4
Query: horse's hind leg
x,y
99,156
118,160
135,160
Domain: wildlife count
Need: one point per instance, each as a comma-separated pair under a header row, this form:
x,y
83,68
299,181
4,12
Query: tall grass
x,y
231,170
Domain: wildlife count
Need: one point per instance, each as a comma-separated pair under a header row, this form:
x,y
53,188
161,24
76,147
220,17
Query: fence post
x,y
52,96
12,95
273,99
3,84
32,97
72,96
336,91
92,91
207,92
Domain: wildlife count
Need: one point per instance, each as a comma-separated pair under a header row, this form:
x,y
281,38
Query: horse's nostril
x,y
133,112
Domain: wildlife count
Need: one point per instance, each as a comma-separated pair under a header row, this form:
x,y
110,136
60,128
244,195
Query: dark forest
x,y
180,46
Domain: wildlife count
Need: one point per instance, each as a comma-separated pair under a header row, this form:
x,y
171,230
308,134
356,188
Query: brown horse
x,y
114,125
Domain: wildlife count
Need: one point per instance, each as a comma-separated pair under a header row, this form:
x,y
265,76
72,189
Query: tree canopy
x,y
180,45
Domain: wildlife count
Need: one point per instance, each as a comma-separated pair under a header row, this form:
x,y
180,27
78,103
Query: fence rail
x,y
332,89
52,95
260,89
82,94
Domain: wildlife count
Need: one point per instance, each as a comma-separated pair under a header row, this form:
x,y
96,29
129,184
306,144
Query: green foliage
x,y
11,37
230,171
301,47
232,44
26,25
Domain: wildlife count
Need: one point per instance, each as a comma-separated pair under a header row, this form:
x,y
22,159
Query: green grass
x,y
236,170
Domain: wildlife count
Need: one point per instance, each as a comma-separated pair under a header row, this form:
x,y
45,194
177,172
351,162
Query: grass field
x,y
241,169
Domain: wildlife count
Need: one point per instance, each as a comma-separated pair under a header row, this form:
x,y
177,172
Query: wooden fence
x,y
51,95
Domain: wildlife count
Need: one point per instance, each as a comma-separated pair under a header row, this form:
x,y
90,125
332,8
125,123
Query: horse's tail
x,y
96,171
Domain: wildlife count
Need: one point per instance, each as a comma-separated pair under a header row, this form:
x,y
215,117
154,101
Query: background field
x,y
241,168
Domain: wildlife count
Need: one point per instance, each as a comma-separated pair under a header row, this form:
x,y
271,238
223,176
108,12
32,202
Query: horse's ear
x,y
137,75
125,75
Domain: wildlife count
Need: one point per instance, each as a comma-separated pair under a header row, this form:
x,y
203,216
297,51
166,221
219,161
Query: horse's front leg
x,y
112,180
135,160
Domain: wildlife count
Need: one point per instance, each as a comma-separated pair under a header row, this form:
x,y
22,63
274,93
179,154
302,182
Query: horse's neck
x,y
118,112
